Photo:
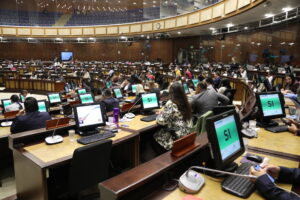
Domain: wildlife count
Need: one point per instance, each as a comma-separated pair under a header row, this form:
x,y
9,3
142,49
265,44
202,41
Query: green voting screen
x,y
150,100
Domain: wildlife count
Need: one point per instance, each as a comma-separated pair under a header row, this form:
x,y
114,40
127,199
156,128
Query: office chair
x,y
89,166
200,126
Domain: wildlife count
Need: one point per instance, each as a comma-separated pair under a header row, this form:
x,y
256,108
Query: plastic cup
x,y
72,135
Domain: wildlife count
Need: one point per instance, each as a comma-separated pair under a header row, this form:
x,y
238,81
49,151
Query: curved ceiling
x,y
262,11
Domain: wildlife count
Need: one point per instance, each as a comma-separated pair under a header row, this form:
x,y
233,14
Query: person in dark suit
x,y
30,118
266,178
109,101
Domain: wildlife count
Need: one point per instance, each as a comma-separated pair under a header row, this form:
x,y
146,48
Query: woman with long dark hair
x,y
176,117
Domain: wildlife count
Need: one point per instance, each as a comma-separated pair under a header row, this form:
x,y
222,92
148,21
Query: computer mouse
x,y
255,158
129,115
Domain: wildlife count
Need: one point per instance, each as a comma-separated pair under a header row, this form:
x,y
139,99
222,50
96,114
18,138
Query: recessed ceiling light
x,y
91,38
123,37
144,3
179,32
286,9
154,1
211,28
246,27
79,38
291,44
58,39
269,15
119,1
142,36
134,3
229,25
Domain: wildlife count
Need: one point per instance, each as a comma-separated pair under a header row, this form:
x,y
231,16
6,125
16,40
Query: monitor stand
x,y
147,112
266,123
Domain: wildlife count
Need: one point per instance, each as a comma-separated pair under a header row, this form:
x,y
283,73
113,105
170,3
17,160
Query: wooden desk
x,y
283,144
138,126
4,132
212,189
33,162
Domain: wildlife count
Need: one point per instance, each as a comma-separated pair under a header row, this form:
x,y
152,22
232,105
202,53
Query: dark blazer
x,y
271,192
30,121
111,103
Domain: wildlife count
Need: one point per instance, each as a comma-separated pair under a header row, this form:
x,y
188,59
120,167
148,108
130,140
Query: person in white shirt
x,y
15,104
243,73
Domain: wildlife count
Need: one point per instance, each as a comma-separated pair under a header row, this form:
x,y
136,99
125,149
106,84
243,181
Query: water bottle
x,y
116,113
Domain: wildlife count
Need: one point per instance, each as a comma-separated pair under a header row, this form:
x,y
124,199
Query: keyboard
x,y
96,137
277,129
239,186
149,118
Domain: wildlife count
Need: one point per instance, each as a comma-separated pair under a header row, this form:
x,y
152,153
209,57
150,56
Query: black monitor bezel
x,y
214,143
115,93
55,102
259,105
2,100
46,104
142,104
81,89
89,127
86,94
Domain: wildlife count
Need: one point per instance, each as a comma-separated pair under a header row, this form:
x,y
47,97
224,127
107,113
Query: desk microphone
x,y
54,139
131,115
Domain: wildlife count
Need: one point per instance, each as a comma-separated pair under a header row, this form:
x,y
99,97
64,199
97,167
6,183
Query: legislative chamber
x,y
149,99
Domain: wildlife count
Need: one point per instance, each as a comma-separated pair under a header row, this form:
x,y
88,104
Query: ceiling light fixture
x,y
287,9
229,25
268,15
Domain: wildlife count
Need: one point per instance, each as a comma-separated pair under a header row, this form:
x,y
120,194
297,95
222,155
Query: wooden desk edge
x,y
119,188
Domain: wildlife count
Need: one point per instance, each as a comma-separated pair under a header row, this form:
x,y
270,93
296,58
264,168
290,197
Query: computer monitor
x,y
118,93
86,98
270,106
43,106
5,103
186,88
195,82
67,89
22,98
149,101
133,88
81,91
108,84
225,138
66,56
54,98
89,116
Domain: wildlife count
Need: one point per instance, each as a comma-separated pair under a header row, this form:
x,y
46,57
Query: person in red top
x,y
188,73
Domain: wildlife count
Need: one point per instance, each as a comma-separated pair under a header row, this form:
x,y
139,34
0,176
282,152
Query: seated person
x,y
24,93
153,88
217,80
291,85
225,85
109,101
31,119
293,126
210,84
98,95
205,100
266,178
176,117
15,104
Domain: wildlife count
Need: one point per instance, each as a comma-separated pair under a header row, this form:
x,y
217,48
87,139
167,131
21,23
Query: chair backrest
x,y
89,166
200,126
11,114
230,94
125,107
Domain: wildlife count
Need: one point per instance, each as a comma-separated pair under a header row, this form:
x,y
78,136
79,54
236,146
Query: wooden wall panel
x,y
51,31
123,29
182,21
100,31
230,6
171,23
112,30
76,31
88,31
147,27
194,18
206,14
135,28
243,3
9,31
218,11
37,32
24,31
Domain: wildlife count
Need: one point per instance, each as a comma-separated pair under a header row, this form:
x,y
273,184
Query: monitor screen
x,y
42,106
186,88
86,98
89,116
195,82
67,90
22,98
225,138
66,56
54,98
108,84
6,102
133,88
150,101
228,136
81,91
118,93
270,105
